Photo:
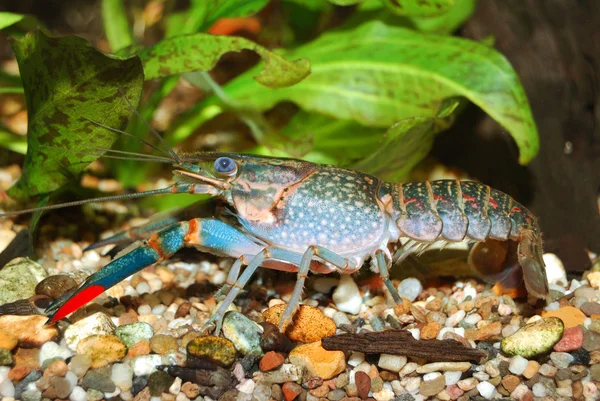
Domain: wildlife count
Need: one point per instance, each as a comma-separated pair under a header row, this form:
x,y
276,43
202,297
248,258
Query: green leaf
x,y
10,19
345,2
406,143
200,52
11,141
377,75
418,7
116,26
68,83
201,14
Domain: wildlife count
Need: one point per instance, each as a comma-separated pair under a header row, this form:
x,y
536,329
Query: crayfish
x,y
297,216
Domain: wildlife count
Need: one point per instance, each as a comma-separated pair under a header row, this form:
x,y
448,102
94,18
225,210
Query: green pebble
x,y
214,349
534,338
159,382
6,358
243,333
133,333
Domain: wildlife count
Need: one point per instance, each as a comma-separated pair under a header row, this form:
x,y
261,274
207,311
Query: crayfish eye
x,y
225,166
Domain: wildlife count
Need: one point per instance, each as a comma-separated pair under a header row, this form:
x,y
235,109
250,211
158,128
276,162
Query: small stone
x,y
410,288
122,376
590,308
271,361
429,388
18,279
308,325
273,340
539,390
138,349
486,390
243,333
547,370
430,331
384,394
591,340
570,315
291,390
393,363
517,365
8,341
80,364
159,382
571,340
98,323
133,333
363,384
62,387
318,361
94,395
78,394
534,338
55,286
176,386
162,343
52,350
5,357
98,380
531,369
444,367
145,365
347,296
214,349
491,330
595,372
191,390
31,331
581,357
455,318
561,359
510,382
56,368
102,349
467,384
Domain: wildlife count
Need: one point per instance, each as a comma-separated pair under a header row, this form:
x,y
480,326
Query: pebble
x,y
145,365
410,288
6,358
517,365
444,367
214,349
486,390
346,295
80,364
429,388
52,350
309,324
555,270
363,384
122,376
102,349
452,377
561,359
159,382
78,394
393,363
455,318
243,333
291,390
31,331
384,394
162,343
534,338
572,339
590,308
539,390
133,333
570,315
271,361
591,340
8,341
318,361
18,279
98,323
98,380
531,369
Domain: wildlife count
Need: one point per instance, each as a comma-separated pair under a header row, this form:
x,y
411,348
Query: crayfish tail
x,y
530,258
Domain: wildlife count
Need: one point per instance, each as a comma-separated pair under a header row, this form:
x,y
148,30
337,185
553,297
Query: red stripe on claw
x,y
77,301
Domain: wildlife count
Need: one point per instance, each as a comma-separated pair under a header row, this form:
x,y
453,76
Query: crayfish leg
x,y
530,259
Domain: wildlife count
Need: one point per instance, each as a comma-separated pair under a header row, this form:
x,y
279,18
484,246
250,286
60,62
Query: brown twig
x,y
401,342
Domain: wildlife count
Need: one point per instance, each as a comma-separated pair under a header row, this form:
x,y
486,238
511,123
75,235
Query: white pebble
x,y
452,377
113,394
486,389
142,288
431,376
504,310
156,284
72,378
555,270
98,323
455,318
393,363
146,364
383,395
552,306
416,333
473,318
325,284
246,386
356,358
218,278
347,296
122,376
340,318
470,291
410,288
517,365
7,388
509,330
144,310
539,390
52,350
180,397
78,394
158,310
176,386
